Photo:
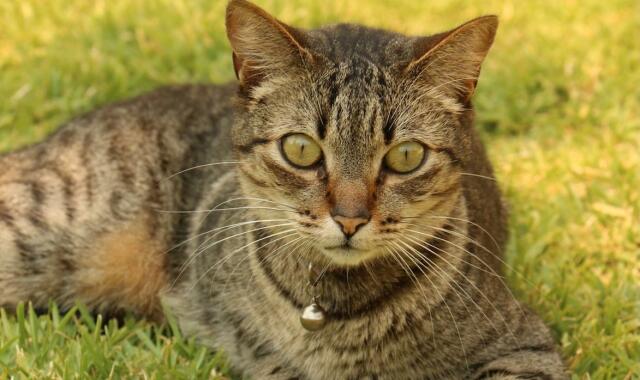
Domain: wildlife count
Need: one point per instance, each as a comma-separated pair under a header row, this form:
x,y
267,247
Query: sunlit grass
x,y
558,104
76,345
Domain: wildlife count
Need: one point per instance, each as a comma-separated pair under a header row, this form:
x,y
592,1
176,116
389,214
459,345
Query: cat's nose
x,y
349,205
350,225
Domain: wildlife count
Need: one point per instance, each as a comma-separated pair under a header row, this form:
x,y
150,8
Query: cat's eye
x,y
300,150
405,157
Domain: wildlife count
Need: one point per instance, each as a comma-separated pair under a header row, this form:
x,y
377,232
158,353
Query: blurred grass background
x,y
558,104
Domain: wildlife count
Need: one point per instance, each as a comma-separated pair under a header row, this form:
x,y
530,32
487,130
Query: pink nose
x,y
350,225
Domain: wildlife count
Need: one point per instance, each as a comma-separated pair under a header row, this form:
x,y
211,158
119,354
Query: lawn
x,y
558,105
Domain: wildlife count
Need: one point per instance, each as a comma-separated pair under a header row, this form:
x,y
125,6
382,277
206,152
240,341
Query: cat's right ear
x,y
451,61
261,44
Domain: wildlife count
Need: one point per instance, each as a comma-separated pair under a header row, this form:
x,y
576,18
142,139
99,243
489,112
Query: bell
x,y
313,317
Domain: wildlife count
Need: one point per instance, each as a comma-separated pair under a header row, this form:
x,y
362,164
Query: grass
x,y
77,345
558,104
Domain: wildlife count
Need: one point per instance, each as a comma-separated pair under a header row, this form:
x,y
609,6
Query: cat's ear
x,y
261,44
451,61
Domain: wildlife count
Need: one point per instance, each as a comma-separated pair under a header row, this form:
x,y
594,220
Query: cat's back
x,y
172,103
184,118
194,113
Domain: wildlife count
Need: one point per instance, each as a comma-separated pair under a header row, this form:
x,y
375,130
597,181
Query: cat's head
x,y
350,136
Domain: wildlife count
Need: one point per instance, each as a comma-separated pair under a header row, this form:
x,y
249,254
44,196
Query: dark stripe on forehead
x,y
322,124
349,104
373,120
389,129
333,88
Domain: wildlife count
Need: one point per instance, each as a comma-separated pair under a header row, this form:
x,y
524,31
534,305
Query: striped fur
x,y
182,197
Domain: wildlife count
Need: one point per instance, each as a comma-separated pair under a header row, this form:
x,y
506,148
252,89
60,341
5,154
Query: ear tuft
x,y
452,60
261,44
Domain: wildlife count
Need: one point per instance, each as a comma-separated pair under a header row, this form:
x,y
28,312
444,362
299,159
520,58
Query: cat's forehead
x,y
342,42
353,96
357,81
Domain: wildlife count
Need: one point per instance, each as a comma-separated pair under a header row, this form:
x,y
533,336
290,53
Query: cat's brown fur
x,y
98,214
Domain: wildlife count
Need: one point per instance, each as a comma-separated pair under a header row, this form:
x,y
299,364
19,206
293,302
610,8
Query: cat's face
x,y
354,156
353,144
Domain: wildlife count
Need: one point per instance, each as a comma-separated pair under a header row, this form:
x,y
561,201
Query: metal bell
x,y
313,317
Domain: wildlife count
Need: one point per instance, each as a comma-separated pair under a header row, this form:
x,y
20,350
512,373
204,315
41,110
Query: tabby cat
x,y
342,171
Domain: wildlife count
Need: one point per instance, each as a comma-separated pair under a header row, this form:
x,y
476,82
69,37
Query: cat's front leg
x,y
270,368
277,372
534,363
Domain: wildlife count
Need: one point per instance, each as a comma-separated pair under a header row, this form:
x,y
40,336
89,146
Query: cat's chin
x,y
348,257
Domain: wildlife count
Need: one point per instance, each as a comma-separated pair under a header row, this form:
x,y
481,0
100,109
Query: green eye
x,y
405,157
301,150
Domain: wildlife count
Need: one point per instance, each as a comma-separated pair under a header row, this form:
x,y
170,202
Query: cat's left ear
x,y
451,61
262,46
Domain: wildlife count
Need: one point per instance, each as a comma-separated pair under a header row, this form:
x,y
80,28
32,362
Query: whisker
x,y
202,166
203,248
221,229
453,319
268,201
278,250
234,199
290,232
490,271
252,199
208,239
303,244
222,209
415,281
443,258
366,267
305,241
460,220
200,250
498,257
479,176
309,244
461,235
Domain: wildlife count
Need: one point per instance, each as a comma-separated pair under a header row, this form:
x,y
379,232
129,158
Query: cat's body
x,y
119,210
81,213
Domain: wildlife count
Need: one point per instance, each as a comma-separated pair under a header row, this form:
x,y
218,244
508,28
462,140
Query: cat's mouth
x,y
343,247
346,254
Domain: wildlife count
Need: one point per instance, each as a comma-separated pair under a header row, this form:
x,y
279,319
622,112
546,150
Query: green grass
x,y
77,345
558,104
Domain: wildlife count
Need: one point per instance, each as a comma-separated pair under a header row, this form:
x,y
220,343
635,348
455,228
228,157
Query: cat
x,y
340,178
